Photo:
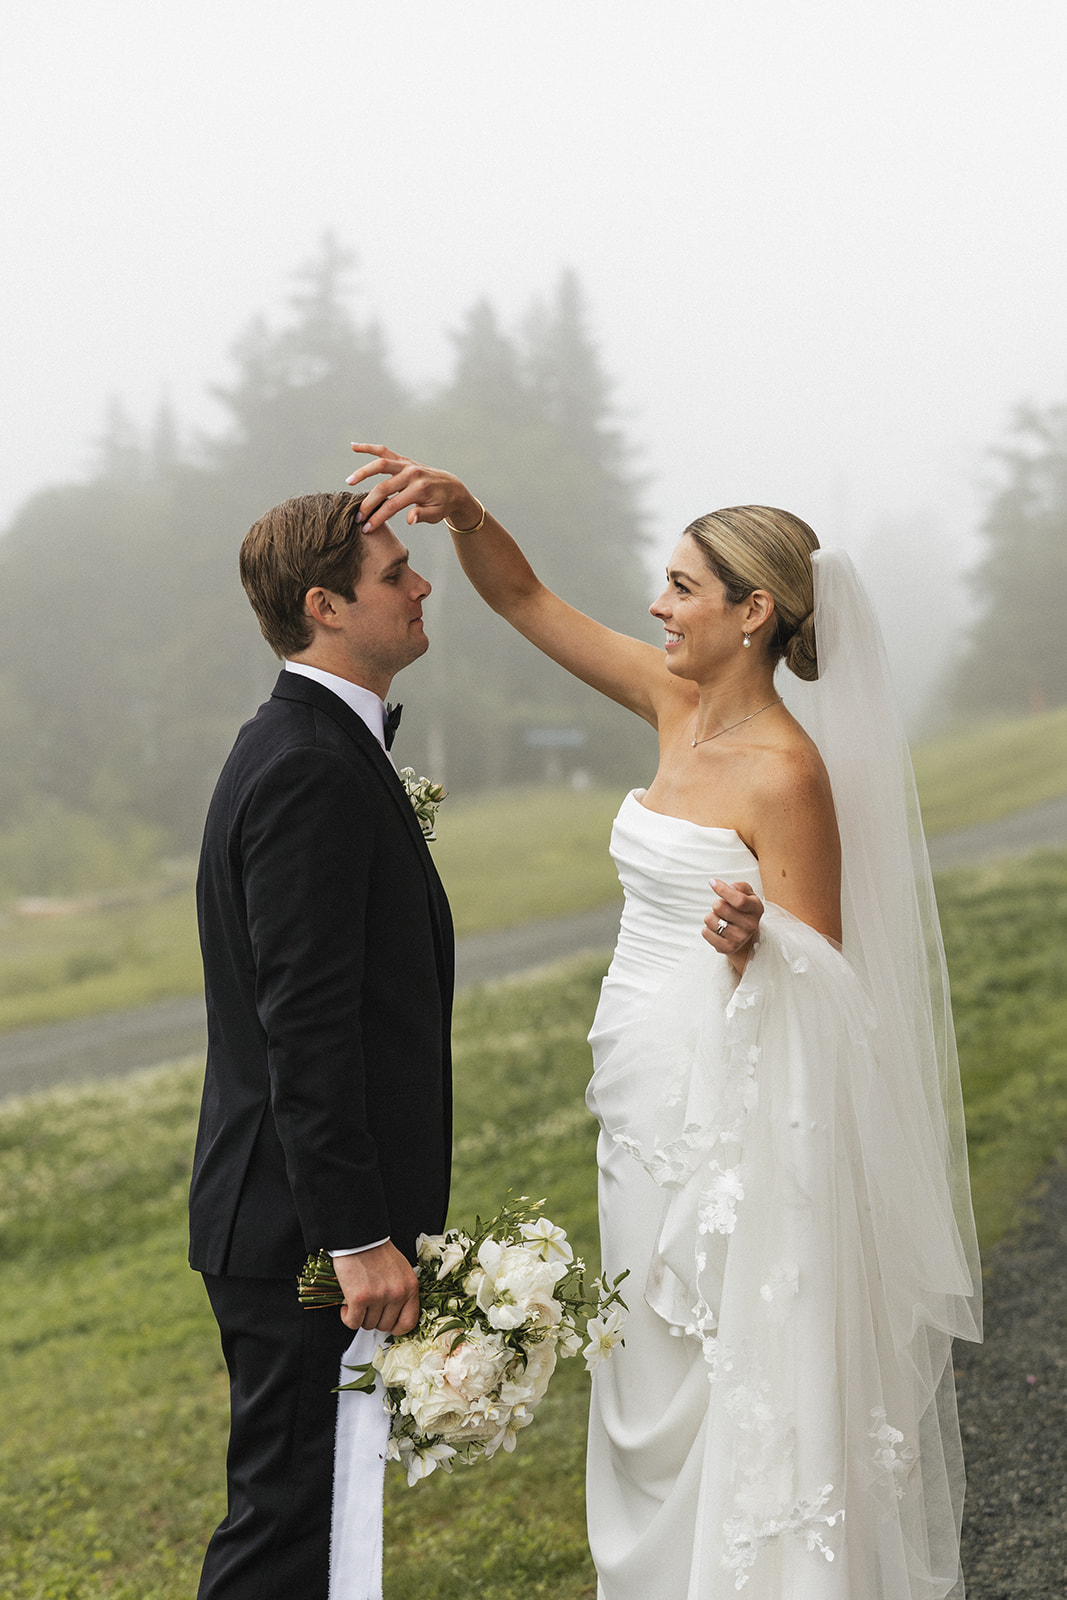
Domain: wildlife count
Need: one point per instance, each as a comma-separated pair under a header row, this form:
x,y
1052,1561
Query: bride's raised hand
x,y
426,494
732,924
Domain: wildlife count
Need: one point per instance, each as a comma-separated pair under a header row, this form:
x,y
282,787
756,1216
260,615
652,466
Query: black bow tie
x,y
392,722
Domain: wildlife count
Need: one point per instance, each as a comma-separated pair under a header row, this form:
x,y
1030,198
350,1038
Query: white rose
x,y
436,1411
524,1388
396,1362
475,1366
517,1287
428,1246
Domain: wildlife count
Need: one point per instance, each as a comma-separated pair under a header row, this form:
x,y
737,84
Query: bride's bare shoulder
x,y
791,772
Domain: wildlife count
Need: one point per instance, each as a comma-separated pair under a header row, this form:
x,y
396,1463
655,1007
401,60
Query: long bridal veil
x,y
921,1205
892,936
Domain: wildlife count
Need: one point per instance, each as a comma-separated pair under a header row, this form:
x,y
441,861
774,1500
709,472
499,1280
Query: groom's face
x,y
383,624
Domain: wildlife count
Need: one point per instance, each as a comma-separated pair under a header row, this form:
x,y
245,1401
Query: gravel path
x,y
1013,1413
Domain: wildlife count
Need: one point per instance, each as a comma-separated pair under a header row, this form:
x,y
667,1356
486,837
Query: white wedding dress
x,y
781,1419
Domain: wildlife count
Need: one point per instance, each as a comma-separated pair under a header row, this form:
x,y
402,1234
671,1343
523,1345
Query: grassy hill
x,y
505,859
111,1384
990,770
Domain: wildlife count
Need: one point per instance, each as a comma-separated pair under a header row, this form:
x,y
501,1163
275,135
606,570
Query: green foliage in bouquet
x,y
498,1304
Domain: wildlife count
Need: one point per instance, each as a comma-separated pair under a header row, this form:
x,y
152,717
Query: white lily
x,y
551,1242
604,1334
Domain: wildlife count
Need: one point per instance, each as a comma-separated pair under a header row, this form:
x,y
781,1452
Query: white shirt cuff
x,y
359,1249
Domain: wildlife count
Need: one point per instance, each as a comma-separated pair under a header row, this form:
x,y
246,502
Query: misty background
x,y
615,264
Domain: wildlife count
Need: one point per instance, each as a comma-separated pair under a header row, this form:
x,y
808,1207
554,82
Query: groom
x,y
328,965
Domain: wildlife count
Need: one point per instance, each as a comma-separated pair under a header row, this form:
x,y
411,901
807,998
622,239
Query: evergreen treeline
x,y
131,655
1015,660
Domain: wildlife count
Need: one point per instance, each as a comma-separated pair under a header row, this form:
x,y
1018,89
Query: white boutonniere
x,y
425,798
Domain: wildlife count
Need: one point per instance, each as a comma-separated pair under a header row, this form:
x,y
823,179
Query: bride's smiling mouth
x,y
671,638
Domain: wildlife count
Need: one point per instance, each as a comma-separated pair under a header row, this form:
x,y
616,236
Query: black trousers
x,y
283,1361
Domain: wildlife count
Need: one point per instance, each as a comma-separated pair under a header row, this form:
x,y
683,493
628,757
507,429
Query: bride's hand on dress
x,y
732,924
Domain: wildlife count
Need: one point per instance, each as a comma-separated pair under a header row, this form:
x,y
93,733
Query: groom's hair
x,y
312,541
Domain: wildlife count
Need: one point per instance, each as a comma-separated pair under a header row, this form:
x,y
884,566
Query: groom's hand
x,y
380,1290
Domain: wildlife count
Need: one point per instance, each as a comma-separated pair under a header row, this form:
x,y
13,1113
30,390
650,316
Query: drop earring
x,y
746,641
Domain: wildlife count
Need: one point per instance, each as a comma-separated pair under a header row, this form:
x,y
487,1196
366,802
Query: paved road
x,y
120,1042
1043,826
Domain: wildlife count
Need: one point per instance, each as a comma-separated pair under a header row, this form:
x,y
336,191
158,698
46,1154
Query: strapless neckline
x,y
683,822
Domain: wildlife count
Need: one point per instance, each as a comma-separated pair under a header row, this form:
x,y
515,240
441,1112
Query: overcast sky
x,y
823,241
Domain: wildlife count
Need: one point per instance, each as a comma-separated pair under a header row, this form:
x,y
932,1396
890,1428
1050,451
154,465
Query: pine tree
x,y
1015,659
301,393
136,674
526,423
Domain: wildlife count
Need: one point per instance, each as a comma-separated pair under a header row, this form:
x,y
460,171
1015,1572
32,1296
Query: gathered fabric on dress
x,y
781,1418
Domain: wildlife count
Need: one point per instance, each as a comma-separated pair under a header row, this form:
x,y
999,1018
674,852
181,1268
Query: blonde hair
x,y
760,547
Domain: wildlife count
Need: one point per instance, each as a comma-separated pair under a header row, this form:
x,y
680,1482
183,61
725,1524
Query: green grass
x,y
111,1384
991,770
505,859
525,854
107,959
1006,938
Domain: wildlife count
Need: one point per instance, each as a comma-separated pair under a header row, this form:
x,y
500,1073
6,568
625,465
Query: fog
x,y
823,243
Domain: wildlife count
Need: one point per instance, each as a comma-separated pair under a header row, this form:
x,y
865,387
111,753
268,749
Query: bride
x,y
782,1162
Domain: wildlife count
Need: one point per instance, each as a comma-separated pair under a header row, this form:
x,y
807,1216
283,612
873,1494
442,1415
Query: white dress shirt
x,y
371,711
364,702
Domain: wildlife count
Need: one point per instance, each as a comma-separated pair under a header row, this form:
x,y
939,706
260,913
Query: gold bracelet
x,y
451,526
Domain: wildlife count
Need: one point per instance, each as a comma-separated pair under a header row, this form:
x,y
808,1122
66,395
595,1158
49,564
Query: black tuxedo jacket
x,y
328,967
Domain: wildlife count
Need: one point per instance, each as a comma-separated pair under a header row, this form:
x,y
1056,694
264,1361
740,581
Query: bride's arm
x,y
626,670
793,834
795,839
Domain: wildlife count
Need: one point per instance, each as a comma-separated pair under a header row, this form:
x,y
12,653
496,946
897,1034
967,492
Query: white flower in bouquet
x,y
522,1394
453,1255
550,1240
604,1333
516,1288
499,1304
475,1367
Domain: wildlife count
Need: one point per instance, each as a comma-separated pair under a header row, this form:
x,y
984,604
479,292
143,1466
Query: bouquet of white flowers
x,y
498,1304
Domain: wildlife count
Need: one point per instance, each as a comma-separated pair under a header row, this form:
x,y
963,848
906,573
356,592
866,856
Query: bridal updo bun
x,y
760,547
800,654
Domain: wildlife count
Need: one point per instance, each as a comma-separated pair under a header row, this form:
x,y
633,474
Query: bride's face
x,y
702,628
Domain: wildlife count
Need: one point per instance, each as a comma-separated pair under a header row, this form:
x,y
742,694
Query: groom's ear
x,y
322,606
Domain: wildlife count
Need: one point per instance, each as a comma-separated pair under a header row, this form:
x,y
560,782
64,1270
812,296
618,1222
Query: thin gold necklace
x,y
775,702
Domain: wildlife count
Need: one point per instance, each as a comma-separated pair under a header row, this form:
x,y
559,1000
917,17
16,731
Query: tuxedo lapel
x,y
294,686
